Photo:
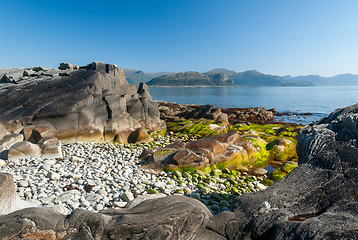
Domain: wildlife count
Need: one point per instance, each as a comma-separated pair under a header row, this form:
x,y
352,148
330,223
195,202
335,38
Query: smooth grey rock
x,y
68,195
120,204
93,197
61,209
50,147
54,176
127,196
23,150
7,141
9,200
260,171
142,198
23,184
33,203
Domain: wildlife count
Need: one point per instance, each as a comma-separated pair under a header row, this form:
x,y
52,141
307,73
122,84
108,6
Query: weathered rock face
x,y
90,103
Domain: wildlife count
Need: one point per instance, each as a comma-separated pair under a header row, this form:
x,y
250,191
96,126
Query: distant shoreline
x,y
223,86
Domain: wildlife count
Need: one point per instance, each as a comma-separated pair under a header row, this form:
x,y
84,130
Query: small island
x,y
191,78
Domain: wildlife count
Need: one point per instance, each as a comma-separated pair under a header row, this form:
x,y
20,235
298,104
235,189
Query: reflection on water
x,y
319,100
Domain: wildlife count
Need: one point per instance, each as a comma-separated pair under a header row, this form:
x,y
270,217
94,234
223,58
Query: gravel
x,y
98,176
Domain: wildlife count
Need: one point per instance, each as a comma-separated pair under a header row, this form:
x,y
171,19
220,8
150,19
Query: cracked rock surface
x,y
89,103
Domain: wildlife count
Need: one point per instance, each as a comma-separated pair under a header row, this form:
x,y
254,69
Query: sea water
x,y
318,100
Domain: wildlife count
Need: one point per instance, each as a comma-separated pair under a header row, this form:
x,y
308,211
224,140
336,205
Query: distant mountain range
x,y
257,79
338,80
225,77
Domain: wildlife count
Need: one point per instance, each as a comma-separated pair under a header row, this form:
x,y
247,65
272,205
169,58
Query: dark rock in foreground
x,y
317,200
90,103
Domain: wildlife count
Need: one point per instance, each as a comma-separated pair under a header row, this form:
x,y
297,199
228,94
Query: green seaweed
x,y
197,127
281,171
163,151
267,182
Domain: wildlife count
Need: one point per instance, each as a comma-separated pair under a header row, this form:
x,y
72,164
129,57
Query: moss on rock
x,y
201,127
282,149
282,171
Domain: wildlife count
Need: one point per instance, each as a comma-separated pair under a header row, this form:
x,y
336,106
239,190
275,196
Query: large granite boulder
x,y
89,103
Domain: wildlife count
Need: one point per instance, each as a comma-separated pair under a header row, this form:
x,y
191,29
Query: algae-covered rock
x,y
281,149
152,191
284,169
267,182
201,127
260,157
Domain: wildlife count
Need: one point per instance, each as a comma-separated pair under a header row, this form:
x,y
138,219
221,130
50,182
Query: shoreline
x,y
225,86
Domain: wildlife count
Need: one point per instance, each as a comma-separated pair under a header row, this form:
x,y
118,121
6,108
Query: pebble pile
x,y
97,176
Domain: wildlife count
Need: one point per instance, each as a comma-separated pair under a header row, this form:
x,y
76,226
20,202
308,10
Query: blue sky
x,y
274,37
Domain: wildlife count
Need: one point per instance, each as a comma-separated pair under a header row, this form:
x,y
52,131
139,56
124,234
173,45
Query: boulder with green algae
x,y
281,149
269,132
259,157
218,151
284,169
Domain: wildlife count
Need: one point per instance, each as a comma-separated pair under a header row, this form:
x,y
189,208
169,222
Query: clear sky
x,y
280,37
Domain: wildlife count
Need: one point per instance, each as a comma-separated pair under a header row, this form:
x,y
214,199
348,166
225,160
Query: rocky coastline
x,y
211,173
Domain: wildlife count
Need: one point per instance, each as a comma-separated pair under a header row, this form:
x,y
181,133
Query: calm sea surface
x,y
319,100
